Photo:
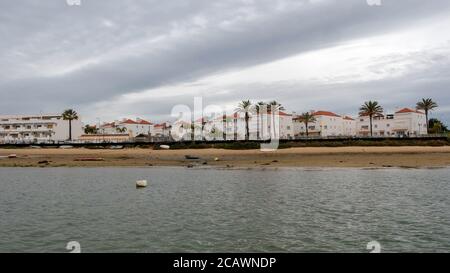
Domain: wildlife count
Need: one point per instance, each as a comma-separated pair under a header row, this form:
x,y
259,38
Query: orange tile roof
x,y
408,110
129,121
145,122
325,113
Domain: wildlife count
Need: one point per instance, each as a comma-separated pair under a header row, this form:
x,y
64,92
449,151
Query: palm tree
x,y
307,118
70,115
121,130
426,105
258,107
371,109
245,107
224,124
274,106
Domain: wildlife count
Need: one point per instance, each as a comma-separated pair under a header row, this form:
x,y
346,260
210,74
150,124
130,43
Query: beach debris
x,y
12,156
141,183
275,161
35,147
116,147
165,147
190,166
229,166
205,163
190,157
216,159
89,159
65,147
265,164
46,162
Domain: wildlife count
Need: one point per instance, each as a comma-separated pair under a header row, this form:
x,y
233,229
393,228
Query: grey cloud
x,y
208,37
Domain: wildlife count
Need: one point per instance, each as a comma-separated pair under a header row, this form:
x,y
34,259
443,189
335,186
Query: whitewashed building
x,y
405,122
128,126
37,128
326,124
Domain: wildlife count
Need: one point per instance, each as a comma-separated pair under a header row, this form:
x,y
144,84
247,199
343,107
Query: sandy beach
x,y
405,157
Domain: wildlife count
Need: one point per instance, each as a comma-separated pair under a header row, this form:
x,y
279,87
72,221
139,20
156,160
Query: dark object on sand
x,y
191,157
205,163
12,156
275,161
44,162
190,166
89,159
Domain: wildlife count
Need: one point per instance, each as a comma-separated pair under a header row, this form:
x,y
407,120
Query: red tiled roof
x,y
162,125
284,114
129,121
408,110
145,122
325,113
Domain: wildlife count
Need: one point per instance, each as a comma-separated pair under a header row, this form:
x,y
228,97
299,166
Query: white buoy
x,y
165,147
141,184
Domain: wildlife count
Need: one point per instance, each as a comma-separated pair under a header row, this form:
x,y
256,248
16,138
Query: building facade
x,y
37,128
405,122
326,124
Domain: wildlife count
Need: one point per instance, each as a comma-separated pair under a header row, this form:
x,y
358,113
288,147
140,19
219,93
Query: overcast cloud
x,y
110,59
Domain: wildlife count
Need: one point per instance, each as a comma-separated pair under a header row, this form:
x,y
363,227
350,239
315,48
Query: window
x,y
50,126
325,127
388,125
362,120
376,126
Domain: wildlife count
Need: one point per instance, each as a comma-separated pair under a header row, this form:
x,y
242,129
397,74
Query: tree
x,y
274,106
245,107
426,105
258,107
307,118
70,115
436,126
90,130
371,109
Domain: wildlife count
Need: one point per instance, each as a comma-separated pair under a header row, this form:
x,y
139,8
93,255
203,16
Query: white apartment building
x,y
161,130
37,128
234,127
262,126
405,122
327,124
129,126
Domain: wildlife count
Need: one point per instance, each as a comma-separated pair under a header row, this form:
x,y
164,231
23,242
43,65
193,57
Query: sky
x,y
114,59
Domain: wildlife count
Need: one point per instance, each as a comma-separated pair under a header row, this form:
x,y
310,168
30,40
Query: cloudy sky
x,y
110,59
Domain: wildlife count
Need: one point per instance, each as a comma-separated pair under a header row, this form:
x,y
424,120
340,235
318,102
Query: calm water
x,y
188,210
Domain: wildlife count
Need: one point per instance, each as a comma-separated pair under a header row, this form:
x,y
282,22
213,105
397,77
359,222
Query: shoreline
x,y
311,157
